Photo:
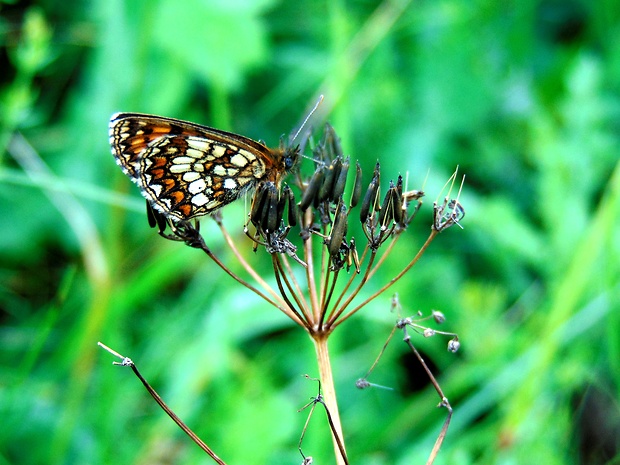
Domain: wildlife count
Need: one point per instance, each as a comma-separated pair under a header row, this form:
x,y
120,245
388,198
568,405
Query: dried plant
x,y
319,269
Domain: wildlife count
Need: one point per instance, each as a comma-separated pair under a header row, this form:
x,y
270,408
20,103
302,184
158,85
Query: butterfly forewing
x,y
186,170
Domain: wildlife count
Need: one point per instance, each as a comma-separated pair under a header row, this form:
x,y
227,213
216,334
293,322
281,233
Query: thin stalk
x,y
251,271
279,304
329,296
128,362
298,291
356,291
293,314
281,275
384,255
309,259
395,278
323,278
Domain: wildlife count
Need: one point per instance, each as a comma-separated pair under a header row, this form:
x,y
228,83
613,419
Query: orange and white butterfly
x,y
186,170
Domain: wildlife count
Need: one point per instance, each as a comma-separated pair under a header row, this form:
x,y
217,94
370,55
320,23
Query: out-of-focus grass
x,y
523,97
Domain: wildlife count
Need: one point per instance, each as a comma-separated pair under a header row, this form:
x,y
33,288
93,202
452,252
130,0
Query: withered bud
x,y
339,230
412,195
370,198
312,189
429,332
357,187
454,344
395,303
362,383
438,316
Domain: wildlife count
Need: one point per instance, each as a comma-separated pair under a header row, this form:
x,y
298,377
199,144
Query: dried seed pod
x,y
292,206
357,187
370,198
398,201
398,209
386,215
312,189
339,230
330,175
341,180
283,197
352,256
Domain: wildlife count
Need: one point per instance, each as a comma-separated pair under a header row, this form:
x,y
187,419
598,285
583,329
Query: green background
x,y
522,95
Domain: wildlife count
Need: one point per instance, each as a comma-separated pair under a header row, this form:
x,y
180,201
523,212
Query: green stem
x,y
329,393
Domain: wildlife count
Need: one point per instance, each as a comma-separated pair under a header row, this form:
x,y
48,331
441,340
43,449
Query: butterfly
x,y
186,170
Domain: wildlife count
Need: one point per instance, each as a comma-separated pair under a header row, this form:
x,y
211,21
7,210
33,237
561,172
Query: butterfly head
x,y
290,158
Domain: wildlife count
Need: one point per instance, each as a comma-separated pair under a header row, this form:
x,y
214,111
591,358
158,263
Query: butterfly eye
x,y
290,159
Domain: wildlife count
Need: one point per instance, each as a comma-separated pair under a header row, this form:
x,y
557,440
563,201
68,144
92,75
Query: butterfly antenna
x,y
316,105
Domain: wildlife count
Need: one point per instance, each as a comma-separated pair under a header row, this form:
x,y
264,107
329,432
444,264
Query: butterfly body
x,y
186,170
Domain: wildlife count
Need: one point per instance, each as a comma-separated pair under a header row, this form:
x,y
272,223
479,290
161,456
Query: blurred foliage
x,y
524,96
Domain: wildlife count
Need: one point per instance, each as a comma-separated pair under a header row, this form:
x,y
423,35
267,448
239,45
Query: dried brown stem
x,y
329,394
128,362
443,402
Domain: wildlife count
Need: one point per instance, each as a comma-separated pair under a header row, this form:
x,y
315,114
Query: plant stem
x,y
329,392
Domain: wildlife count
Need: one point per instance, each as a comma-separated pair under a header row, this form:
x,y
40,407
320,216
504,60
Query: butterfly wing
x,y
184,169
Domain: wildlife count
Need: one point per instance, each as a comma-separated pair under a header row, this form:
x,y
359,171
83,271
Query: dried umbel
x,y
316,233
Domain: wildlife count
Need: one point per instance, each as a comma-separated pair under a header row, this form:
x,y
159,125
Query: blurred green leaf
x,y
523,97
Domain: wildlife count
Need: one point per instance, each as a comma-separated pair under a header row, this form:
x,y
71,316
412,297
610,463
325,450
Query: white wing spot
x,y
200,145
200,199
182,160
197,186
156,188
219,170
218,151
230,183
191,176
180,168
194,153
239,160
